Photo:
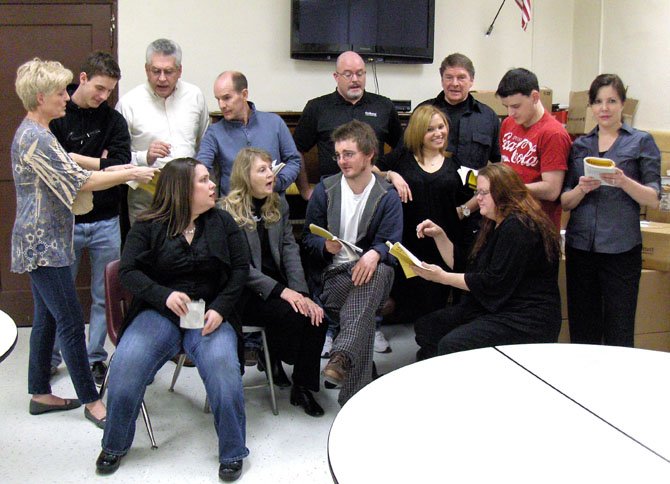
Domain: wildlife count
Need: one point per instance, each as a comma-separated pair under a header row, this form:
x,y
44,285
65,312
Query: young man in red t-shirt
x,y
532,141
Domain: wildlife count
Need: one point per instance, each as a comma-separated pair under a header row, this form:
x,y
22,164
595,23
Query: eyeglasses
x,y
346,155
348,75
166,72
482,193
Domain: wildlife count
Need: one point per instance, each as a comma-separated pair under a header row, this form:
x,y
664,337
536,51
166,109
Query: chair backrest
x,y
117,301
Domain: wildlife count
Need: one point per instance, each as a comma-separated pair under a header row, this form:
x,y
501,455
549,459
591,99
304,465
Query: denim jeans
x,y
103,241
145,346
58,311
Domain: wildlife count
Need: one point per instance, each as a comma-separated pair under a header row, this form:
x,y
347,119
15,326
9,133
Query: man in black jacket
x,y
97,138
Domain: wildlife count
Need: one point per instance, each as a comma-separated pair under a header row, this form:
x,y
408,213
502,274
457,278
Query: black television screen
x,y
398,31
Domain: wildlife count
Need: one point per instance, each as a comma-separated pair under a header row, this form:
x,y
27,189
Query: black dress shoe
x,y
301,396
278,375
99,370
231,471
107,463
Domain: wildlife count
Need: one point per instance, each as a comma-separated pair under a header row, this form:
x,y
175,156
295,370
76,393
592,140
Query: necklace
x,y
189,231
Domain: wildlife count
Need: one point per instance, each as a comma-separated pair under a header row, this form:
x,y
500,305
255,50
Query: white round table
x,y
8,335
517,414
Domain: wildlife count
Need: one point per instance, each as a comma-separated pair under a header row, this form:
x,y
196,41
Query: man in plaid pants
x,y
352,278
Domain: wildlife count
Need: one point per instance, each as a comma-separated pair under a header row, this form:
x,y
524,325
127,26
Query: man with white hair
x,y
166,116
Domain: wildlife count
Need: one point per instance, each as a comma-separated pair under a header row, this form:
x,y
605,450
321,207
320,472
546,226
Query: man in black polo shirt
x,y
473,127
325,113
349,101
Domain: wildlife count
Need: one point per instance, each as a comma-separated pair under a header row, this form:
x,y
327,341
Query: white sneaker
x,y
327,346
381,344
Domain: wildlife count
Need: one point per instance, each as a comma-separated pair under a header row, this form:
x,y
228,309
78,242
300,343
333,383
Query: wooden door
x,y
65,32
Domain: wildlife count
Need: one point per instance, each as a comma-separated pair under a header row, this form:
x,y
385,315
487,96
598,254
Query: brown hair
x,y
172,201
511,196
360,133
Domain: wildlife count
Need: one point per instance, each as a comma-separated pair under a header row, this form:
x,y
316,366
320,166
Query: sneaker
x,y
337,368
381,343
327,347
99,370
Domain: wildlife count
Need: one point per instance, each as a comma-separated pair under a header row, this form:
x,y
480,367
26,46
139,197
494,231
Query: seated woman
x,y
50,189
430,187
510,282
603,243
276,292
181,249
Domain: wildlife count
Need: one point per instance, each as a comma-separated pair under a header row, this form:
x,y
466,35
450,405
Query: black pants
x,y
291,336
602,295
459,328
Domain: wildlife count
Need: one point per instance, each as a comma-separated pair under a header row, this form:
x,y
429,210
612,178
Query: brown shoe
x,y
337,368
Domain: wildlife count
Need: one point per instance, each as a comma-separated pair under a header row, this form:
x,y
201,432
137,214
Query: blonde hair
x,y
37,76
238,202
418,127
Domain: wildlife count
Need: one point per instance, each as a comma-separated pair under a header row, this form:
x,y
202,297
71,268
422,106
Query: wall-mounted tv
x,y
399,31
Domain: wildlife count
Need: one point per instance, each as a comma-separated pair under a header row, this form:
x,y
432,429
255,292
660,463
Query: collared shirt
x,y
224,139
180,120
607,220
47,183
323,114
475,141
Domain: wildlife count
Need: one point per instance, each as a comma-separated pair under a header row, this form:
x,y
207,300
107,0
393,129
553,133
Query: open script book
x,y
321,232
276,167
594,167
405,257
149,187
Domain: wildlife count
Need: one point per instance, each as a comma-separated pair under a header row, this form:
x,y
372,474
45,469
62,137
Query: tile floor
x,y
62,447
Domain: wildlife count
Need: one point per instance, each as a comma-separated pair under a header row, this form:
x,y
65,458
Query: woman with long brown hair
x,y
511,279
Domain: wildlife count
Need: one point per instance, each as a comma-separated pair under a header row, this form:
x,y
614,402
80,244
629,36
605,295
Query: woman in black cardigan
x,y
181,249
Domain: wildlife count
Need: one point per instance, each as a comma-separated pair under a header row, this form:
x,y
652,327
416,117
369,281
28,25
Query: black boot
x,y
278,375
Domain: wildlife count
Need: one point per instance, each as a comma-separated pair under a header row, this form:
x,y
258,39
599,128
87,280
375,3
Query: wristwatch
x,y
465,210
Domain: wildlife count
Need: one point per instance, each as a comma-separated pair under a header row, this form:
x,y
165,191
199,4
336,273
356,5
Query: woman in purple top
x,y
603,244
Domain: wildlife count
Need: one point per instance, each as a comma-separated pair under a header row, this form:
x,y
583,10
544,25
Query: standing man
x,y
243,126
532,141
166,116
361,208
349,101
474,128
96,137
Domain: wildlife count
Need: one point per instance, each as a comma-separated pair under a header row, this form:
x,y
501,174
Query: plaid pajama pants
x,y
357,306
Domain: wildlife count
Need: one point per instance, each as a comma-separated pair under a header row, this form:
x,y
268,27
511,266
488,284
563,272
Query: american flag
x,y
525,7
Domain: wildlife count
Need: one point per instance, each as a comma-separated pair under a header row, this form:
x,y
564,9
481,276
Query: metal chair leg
x,y
180,363
147,422
268,372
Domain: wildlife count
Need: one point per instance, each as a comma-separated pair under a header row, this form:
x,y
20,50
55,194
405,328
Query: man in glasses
x,y
166,116
352,283
349,101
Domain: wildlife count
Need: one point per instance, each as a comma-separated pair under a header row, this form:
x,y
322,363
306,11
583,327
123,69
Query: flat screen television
x,y
399,31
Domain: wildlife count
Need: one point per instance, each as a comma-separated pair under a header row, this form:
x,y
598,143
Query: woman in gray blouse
x,y
50,189
603,244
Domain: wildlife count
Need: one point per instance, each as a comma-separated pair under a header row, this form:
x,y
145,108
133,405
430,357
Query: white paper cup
x,y
195,318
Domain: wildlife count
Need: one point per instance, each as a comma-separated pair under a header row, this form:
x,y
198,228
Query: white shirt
x,y
180,119
350,216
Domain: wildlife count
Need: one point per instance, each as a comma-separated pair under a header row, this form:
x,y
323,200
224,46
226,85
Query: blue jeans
x,y
57,310
103,241
151,340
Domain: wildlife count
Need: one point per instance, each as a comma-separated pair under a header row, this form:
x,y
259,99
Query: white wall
x,y
253,36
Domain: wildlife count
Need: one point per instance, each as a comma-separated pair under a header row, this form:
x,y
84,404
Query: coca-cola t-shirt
x,y
544,146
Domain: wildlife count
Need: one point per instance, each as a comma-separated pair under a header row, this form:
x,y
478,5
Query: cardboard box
x,y
653,303
580,116
655,245
653,341
489,98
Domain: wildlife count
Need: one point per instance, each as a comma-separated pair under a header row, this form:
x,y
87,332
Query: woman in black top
x,y
276,292
430,187
510,283
181,249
